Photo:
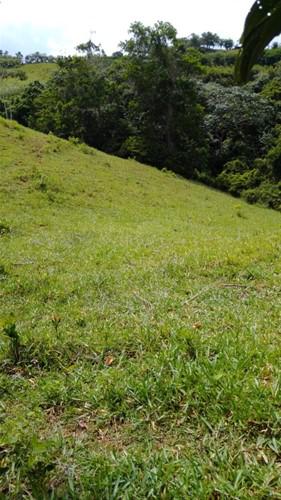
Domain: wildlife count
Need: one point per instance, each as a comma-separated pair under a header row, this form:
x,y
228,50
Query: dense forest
x,y
168,101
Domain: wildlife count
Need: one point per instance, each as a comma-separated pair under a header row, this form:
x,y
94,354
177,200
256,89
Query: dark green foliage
x,y
257,182
4,229
210,40
223,75
267,194
227,43
238,176
166,101
220,58
11,332
165,115
90,49
3,272
23,106
262,24
72,102
272,89
274,158
244,142
14,73
236,122
270,56
234,177
8,61
143,105
38,57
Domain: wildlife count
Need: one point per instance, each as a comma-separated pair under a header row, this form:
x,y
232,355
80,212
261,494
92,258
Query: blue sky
x,y
57,26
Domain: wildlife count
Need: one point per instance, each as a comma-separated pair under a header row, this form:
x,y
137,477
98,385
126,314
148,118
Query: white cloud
x,y
60,25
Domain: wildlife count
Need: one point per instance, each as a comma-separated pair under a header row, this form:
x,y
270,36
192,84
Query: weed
x,y
11,332
3,272
56,322
4,229
42,184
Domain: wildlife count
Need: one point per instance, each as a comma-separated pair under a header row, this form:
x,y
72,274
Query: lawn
x,y
140,331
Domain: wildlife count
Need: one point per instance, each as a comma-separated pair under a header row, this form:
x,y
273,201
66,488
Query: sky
x,y
57,26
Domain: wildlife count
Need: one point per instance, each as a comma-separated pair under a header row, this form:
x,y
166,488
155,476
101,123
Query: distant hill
x,y
41,72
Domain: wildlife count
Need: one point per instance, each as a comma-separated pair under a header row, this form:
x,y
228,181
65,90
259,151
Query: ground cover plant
x,y
140,330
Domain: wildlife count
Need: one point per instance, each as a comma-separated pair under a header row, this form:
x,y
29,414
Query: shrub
x,y
267,194
233,176
11,332
274,158
255,183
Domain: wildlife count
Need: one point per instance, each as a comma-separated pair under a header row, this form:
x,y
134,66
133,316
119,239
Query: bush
x,y
274,158
233,177
267,194
253,183
236,122
219,74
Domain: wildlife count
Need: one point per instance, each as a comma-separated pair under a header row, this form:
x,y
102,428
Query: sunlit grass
x,y
40,72
147,319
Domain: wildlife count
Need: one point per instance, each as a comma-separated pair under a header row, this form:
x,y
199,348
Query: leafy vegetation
x,y
261,26
140,330
168,101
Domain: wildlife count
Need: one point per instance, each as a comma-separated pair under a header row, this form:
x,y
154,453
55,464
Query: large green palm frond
x,y
262,24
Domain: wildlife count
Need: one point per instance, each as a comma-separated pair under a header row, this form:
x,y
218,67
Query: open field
x,y
140,331
40,72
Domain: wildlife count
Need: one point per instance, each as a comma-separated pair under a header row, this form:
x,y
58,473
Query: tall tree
x,y
71,103
90,49
195,41
164,112
210,40
227,43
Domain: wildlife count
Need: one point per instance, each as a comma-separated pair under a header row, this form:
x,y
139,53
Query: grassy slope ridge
x,y
34,72
148,314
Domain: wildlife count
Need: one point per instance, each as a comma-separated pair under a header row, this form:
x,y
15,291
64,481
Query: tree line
x,y
159,102
10,61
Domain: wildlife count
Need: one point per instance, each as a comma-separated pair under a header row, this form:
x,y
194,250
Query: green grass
x,y
41,72
140,342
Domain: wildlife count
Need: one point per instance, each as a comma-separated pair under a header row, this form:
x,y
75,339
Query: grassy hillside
x,y
41,72
140,341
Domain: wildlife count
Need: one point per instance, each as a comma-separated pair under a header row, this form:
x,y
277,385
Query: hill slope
x,y
40,72
140,344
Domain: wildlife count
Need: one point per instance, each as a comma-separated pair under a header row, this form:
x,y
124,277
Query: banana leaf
x,y
262,24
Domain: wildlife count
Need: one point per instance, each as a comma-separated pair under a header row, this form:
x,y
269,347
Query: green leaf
x,y
262,24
